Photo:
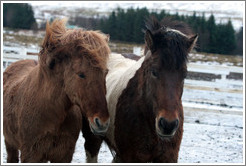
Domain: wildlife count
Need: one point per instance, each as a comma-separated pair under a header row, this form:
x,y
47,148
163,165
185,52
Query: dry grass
x,y
207,57
22,39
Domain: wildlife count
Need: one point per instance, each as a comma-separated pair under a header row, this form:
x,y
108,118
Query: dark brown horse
x,y
144,98
43,101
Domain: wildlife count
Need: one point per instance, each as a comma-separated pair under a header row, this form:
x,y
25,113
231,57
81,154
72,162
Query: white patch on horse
x,y
121,70
176,31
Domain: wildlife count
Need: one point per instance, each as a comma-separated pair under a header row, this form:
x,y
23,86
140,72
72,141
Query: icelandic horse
x,y
44,100
144,98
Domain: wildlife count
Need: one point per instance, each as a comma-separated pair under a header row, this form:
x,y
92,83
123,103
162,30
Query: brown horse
x,y
43,101
144,97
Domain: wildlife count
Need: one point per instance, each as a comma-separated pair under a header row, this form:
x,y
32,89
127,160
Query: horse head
x,y
77,61
166,52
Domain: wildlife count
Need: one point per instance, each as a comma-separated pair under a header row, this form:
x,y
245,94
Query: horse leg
x,y
28,156
92,142
63,152
12,152
63,149
64,144
116,159
37,158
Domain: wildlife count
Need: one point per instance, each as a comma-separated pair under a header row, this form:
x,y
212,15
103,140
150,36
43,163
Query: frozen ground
x,y
208,138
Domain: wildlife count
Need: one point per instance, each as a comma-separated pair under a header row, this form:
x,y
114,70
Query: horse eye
x,y
81,75
154,73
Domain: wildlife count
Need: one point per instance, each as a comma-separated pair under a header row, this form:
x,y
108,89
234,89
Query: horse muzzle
x,y
166,129
98,127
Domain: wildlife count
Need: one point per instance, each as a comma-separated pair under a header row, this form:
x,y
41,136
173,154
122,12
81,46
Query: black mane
x,y
153,24
170,38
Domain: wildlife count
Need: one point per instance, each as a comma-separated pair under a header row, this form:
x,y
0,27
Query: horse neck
x,y
135,91
52,86
146,104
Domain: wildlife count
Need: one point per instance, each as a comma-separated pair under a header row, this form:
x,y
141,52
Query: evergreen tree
x,y
203,23
225,38
203,40
161,15
231,39
138,35
111,26
18,15
212,29
120,24
127,26
239,42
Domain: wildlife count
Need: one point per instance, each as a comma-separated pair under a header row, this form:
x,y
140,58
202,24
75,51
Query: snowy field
x,y
209,138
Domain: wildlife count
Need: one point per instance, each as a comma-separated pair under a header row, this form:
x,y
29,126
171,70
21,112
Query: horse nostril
x,y
98,127
162,123
176,123
168,127
97,122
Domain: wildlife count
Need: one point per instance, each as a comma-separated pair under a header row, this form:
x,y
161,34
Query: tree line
x,y
18,15
127,26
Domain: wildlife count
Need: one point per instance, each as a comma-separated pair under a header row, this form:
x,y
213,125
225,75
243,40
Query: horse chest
x,y
132,131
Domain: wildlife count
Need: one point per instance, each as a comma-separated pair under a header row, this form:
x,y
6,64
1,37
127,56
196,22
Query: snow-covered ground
x,y
208,138
222,10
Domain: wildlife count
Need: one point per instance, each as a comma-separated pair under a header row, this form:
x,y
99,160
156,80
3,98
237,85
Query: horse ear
x,y
192,42
47,36
48,60
149,40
